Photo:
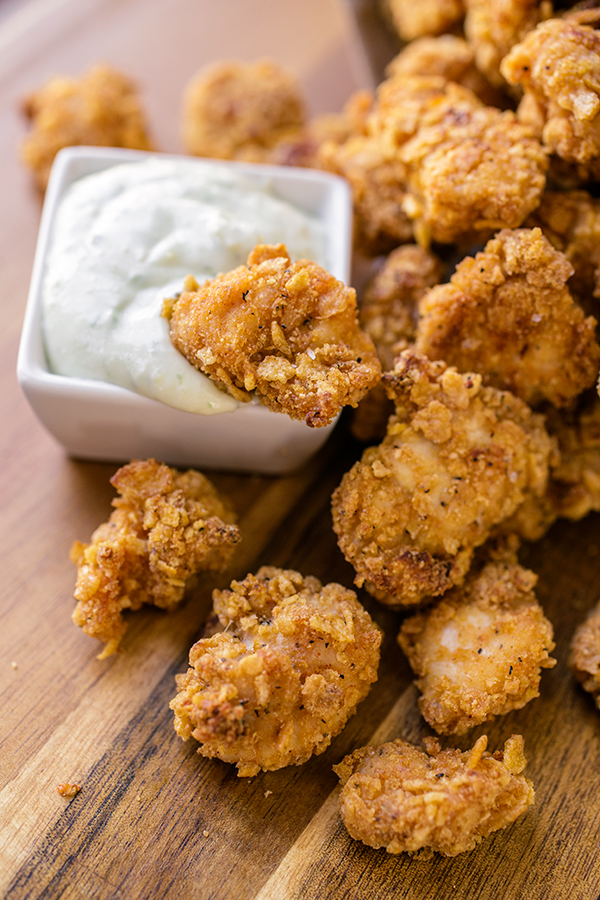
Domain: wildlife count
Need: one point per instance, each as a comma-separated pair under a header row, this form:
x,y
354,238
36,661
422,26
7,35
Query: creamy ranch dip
x,y
124,239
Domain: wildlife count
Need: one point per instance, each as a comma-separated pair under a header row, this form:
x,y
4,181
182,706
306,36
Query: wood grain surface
x,y
153,819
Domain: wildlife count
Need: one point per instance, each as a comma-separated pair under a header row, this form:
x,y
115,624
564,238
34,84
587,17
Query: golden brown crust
x,y
493,27
388,313
398,797
508,314
235,110
378,191
469,168
585,654
284,676
571,222
166,527
457,460
478,653
558,66
449,57
288,331
428,17
100,109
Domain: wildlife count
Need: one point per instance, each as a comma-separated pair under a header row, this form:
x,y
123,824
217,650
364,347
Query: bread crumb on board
x,y
68,790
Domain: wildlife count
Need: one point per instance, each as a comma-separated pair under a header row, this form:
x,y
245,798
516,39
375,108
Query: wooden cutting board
x,y
153,819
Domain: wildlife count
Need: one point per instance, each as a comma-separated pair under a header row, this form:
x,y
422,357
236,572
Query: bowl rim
x,y
73,163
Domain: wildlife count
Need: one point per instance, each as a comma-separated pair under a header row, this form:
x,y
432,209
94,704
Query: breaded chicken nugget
x,y
288,331
558,67
398,797
378,191
479,652
508,314
585,654
450,57
304,148
235,110
574,486
457,460
388,313
166,527
283,678
470,168
414,20
571,222
493,27
101,109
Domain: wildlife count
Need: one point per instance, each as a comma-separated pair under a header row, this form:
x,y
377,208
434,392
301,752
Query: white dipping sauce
x,y
124,239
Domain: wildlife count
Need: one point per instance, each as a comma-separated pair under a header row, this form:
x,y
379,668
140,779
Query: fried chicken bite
x,y
493,27
100,109
388,313
479,652
445,801
378,191
571,222
429,17
450,57
236,110
304,148
574,486
585,654
283,677
166,527
508,314
469,168
558,67
457,460
288,331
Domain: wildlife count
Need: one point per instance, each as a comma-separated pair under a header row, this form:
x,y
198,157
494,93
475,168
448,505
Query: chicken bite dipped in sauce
x,y
284,675
479,652
508,314
166,527
286,330
445,801
457,460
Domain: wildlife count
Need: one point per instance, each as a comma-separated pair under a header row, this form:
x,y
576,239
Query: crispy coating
x,y
284,676
493,27
571,222
388,313
388,310
166,527
100,109
428,17
235,110
470,168
585,654
447,56
304,149
558,67
288,331
378,191
508,314
406,800
457,460
479,652
574,487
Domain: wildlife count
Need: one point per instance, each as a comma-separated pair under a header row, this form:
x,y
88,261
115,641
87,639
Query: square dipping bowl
x,y
104,422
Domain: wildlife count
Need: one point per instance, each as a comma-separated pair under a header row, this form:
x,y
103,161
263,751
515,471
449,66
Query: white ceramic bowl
x,y
101,421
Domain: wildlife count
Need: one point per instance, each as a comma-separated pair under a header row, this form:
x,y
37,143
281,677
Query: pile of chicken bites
x,y
471,364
